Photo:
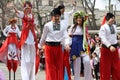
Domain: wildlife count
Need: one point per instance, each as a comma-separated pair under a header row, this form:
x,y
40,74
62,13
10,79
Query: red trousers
x,y
54,62
67,64
12,64
109,65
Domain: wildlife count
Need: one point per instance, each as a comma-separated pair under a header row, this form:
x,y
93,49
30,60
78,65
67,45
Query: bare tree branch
x,y
4,11
89,5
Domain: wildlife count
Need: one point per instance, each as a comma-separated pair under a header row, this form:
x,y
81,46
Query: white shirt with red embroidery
x,y
8,30
106,37
50,35
12,49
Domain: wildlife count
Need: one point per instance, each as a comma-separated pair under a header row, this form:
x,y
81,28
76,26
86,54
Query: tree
x,y
4,11
37,2
43,9
89,5
109,5
39,10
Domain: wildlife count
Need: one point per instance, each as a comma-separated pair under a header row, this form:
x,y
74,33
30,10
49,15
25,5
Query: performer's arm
x,y
20,14
67,42
18,32
5,31
16,11
73,10
43,37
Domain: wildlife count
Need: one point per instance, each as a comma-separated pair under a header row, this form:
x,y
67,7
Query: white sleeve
x,y
20,14
5,31
66,38
71,12
102,34
18,31
43,37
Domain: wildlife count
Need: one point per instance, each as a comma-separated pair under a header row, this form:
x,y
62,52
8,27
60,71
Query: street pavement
x,y
39,76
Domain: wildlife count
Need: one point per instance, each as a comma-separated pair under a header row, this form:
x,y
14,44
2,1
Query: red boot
x,y
9,64
15,65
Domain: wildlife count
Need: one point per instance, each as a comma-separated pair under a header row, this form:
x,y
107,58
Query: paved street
x,y
39,76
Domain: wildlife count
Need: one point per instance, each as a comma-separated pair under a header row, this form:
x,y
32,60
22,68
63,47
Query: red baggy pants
x,y
109,65
54,62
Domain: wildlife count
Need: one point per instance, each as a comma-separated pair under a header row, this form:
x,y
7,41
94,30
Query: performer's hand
x,y
10,4
112,49
67,48
74,3
38,52
8,35
41,51
119,54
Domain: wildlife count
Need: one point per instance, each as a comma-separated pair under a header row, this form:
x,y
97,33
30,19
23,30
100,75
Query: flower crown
x,y
80,14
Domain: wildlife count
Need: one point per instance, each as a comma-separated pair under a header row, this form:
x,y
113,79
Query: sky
x,y
102,3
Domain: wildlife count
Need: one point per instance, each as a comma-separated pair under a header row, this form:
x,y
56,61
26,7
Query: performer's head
x,y
79,18
27,7
61,7
12,21
55,14
110,18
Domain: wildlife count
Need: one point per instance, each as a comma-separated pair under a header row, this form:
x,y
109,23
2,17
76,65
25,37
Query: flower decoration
x,y
80,14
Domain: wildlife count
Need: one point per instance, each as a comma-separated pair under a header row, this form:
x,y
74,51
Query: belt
x,y
53,43
114,45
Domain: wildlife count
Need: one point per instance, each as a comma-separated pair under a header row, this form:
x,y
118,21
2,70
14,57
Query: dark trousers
x,y
96,71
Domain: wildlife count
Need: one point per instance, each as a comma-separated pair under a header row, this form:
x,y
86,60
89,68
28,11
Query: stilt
x,y
14,75
9,75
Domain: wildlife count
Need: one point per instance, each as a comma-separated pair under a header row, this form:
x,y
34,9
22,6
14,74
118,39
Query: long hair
x,y
75,24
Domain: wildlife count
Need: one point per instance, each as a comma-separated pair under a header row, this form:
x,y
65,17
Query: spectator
x,y
96,65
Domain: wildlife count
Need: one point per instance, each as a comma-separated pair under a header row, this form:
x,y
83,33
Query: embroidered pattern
x,y
112,29
56,27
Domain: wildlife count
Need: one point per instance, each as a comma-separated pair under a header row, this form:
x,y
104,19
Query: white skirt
x,y
28,54
12,52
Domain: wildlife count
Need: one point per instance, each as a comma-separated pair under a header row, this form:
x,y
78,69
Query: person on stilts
x,y
53,34
10,49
